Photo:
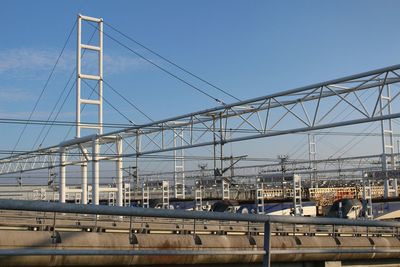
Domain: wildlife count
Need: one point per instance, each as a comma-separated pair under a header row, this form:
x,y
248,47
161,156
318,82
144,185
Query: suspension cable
x,y
171,62
162,68
44,87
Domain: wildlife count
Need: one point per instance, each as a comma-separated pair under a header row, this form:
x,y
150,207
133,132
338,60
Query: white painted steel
x,y
62,175
95,172
119,173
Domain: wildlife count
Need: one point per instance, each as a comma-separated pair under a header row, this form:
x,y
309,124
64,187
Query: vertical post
x,y
214,150
98,77
62,175
78,77
221,131
179,164
367,197
119,174
100,106
267,245
198,196
165,194
84,196
95,171
225,189
260,197
79,100
390,183
137,159
312,152
297,203
145,196
78,104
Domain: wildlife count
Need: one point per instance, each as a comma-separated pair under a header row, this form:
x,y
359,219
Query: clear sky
x,y
249,48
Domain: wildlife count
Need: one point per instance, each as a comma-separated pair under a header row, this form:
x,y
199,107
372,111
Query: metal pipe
x,y
271,134
90,18
334,251
28,205
207,111
78,81
119,174
95,172
114,252
62,175
84,171
282,93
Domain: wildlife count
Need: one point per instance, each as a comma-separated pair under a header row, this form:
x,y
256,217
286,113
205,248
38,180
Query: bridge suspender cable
x,y
162,68
170,62
45,86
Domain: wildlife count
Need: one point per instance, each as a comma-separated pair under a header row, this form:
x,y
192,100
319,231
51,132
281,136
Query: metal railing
x,y
39,206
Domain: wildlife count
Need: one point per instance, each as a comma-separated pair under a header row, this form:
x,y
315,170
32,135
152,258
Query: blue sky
x,y
249,48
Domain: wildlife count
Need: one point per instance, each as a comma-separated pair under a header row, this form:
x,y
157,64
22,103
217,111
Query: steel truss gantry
x,y
312,153
179,165
385,103
303,109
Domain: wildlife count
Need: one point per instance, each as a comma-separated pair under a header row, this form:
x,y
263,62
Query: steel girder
x,y
308,108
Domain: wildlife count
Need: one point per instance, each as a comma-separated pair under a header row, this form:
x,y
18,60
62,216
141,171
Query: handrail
x,y
28,205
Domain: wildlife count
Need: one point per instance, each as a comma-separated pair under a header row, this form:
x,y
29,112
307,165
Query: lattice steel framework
x,y
303,109
260,198
179,165
312,156
388,146
98,77
297,203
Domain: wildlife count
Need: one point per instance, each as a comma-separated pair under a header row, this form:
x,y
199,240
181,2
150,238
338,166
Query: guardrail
x,y
39,206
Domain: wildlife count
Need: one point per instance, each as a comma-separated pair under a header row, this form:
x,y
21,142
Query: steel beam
x,y
241,116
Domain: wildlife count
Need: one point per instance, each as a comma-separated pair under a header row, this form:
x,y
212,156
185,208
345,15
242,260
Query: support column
x,y
198,196
260,197
119,174
267,245
81,102
84,195
138,148
95,172
62,175
165,194
297,203
312,152
179,165
145,196
367,197
390,183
